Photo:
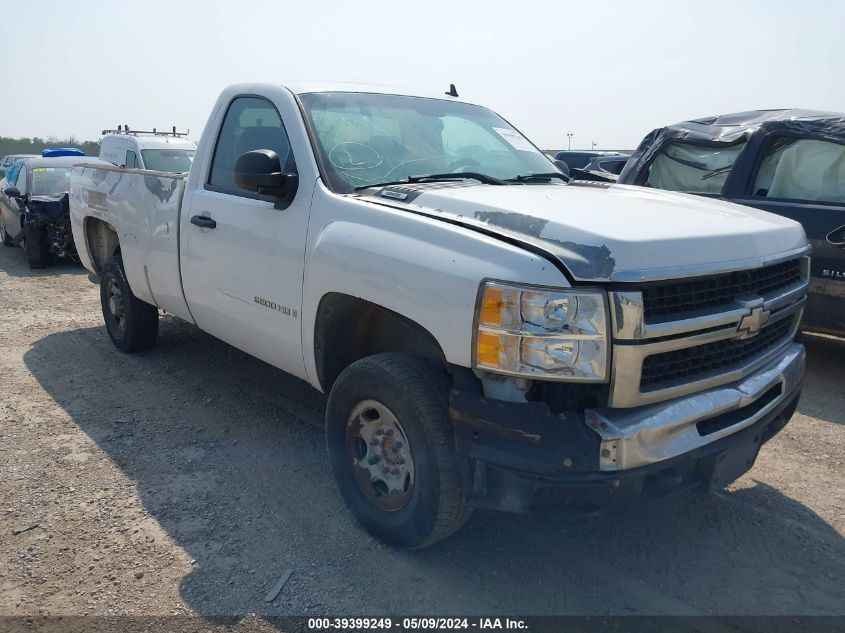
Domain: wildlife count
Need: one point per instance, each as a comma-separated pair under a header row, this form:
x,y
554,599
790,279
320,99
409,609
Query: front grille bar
x,y
662,301
660,370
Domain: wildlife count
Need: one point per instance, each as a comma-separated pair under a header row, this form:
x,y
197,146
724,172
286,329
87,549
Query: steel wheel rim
x,y
381,457
114,305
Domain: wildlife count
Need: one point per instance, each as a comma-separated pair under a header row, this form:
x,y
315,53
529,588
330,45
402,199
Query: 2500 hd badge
x,y
275,306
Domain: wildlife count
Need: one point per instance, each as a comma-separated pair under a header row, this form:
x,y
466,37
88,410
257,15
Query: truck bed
x,y
143,207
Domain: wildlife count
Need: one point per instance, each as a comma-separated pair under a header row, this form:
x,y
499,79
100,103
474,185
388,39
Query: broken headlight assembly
x,y
548,334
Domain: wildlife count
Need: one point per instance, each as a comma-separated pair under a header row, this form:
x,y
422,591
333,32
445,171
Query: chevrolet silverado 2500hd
x,y
487,333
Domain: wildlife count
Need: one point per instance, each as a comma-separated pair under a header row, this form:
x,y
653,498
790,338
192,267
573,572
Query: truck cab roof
x,y
298,87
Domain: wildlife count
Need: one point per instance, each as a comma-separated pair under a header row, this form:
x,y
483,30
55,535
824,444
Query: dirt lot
x,y
190,478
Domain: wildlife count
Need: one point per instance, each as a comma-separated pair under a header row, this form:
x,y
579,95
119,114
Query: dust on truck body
x,y
487,333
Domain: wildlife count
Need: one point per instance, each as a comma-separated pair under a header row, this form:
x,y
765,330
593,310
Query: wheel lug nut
x,y
385,469
379,431
388,432
374,442
374,459
395,471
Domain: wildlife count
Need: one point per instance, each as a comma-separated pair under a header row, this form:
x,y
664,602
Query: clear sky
x,y
608,71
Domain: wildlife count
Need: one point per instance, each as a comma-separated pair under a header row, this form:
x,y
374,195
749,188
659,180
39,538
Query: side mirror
x,y
563,167
12,192
261,172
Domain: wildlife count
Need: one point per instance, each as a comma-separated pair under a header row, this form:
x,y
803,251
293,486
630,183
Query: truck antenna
x,y
453,92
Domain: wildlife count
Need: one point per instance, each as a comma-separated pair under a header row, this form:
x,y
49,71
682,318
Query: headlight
x,y
548,334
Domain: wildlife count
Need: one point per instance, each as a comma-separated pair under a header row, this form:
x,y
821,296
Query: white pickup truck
x,y
488,334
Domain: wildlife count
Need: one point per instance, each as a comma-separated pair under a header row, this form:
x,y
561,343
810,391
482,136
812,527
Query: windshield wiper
x,y
546,176
458,175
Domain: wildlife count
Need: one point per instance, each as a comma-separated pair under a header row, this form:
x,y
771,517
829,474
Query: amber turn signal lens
x,y
487,349
491,306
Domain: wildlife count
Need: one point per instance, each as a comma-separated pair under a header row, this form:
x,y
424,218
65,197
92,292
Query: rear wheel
x,y
132,324
37,250
390,446
4,235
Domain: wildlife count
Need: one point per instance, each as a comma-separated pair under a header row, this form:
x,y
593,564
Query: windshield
x,y
47,181
366,139
172,160
693,167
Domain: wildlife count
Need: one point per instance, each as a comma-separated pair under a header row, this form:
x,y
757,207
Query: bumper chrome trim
x,y
645,435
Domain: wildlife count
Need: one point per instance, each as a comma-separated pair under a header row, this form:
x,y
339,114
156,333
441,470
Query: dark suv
x,y
577,159
789,162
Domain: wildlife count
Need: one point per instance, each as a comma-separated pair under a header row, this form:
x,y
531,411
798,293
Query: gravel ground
x,y
189,479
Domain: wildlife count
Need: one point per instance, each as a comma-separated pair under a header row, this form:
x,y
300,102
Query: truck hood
x,y
615,233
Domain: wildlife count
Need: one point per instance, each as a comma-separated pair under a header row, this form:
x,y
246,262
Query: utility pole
x,y
569,136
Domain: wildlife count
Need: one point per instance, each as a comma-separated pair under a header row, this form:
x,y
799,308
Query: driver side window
x,y
20,179
251,123
799,169
14,175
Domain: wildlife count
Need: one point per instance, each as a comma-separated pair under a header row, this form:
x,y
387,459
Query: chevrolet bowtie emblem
x,y
756,317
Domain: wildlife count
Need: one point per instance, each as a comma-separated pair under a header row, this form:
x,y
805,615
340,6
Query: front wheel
x,y
132,324
390,446
36,247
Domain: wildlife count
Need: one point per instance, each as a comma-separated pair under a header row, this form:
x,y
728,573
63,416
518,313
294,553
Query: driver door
x,y
243,259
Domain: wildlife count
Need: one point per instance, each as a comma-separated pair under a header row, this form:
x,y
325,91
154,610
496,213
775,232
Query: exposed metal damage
x,y
583,260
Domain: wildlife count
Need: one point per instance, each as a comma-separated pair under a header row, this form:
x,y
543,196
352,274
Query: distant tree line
x,y
35,145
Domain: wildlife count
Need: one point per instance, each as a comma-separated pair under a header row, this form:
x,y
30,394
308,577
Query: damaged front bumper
x,y
516,452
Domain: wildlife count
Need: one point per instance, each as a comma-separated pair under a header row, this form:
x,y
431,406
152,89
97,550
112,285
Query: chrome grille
x,y
710,342
660,370
667,300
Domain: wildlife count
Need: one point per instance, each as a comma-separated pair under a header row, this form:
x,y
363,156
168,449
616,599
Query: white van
x,y
158,151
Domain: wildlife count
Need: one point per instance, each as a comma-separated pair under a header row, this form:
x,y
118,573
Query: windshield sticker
x,y
514,139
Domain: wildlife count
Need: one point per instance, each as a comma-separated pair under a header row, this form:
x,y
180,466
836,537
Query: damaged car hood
x,y
616,233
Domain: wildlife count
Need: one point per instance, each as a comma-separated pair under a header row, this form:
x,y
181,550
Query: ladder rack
x,y
124,129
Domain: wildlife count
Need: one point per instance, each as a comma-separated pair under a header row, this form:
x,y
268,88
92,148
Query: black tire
x,y
416,393
37,250
5,238
131,323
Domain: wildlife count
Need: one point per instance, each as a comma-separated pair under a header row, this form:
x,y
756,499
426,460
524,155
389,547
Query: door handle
x,y
836,237
203,221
